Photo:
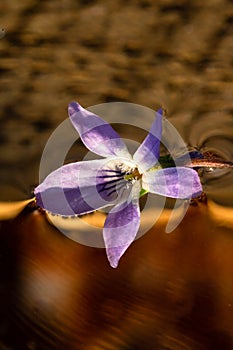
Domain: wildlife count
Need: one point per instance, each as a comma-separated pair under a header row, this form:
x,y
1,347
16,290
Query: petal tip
x,y
114,264
197,193
73,107
160,111
113,256
38,198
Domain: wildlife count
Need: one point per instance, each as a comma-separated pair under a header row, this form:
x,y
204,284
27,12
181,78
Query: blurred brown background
x,y
177,54
170,292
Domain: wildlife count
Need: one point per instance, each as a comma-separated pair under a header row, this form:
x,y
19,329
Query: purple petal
x,y
97,135
177,182
147,153
121,227
80,188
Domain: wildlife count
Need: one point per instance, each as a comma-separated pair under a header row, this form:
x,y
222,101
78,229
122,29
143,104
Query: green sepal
x,y
143,192
166,161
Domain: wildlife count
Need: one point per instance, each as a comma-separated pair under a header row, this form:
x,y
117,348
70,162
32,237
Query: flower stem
x,y
198,160
206,163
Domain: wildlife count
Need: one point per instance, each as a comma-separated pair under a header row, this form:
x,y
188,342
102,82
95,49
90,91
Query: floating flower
x,y
117,180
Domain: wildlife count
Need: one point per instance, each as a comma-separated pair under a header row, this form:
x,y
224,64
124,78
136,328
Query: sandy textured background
x,y
177,54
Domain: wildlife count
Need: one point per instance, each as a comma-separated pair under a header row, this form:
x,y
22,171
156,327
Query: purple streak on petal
x,y
147,153
177,182
120,228
62,201
73,189
110,181
97,135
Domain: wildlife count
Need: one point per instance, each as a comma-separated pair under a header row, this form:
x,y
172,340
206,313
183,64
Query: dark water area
x,y
170,291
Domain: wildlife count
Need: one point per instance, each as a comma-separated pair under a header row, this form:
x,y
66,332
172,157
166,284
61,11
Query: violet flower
x,y
117,180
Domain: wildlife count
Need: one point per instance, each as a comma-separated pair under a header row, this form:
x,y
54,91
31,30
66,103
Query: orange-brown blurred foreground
x,y
170,291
